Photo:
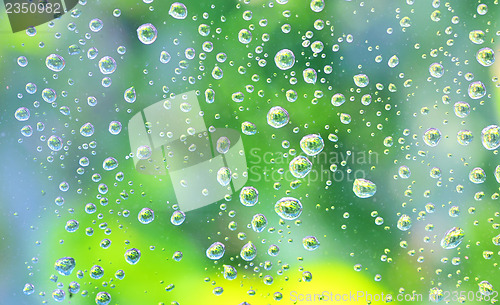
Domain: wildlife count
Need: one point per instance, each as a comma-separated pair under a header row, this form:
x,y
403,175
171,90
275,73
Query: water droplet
x,y
432,136
452,238
436,70
404,172
28,289
177,218
245,36
55,62
102,298
464,137
284,59
248,128
249,196
462,109
144,152
72,226
165,57
476,36
482,9
477,175
364,188
146,215
132,256
496,240
22,114
405,22
393,61
147,33
259,223
288,208
404,222
248,252
49,95
317,5
273,250
65,265
87,130
115,127
217,73
312,144
310,75
490,137
178,10
109,164
497,173
476,90
22,61
55,143
107,65
230,272
216,251
436,295
277,117
361,80
485,57
95,25
300,166
129,95
310,243
96,272
224,176
58,295
338,99
223,145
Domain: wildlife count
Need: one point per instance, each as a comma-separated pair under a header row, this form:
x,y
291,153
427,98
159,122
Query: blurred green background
x,y
406,101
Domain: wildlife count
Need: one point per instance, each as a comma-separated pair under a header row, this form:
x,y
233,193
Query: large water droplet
x,y
230,272
55,62
404,222
87,130
288,208
432,136
490,137
485,57
277,117
216,251
259,223
476,90
361,80
284,59
248,251
65,265
129,95
312,144
55,143
249,196
310,243
22,114
452,238
146,215
364,188
102,298
178,10
132,256
107,65
147,33
109,164
300,166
